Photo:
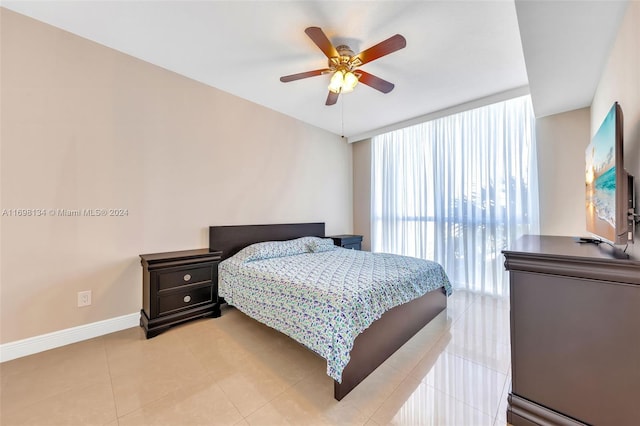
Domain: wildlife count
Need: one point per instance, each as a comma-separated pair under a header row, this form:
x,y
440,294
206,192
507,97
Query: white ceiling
x,y
566,45
457,51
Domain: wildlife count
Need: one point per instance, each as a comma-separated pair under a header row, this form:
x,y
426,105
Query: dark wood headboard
x,y
232,239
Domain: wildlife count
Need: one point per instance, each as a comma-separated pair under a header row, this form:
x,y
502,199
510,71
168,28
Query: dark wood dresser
x,y
575,333
178,286
348,241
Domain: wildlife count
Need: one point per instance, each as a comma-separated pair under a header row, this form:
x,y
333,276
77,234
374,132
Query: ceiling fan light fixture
x,y
343,81
337,80
350,82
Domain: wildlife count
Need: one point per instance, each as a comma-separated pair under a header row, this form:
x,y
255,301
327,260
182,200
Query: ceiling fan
x,y
343,64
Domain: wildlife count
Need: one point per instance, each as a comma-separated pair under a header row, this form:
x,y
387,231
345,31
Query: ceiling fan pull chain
x,y
342,106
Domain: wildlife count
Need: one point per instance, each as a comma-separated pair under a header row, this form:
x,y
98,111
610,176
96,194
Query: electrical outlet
x,y
84,298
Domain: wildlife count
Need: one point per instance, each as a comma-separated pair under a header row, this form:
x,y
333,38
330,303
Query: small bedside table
x,y
353,242
178,286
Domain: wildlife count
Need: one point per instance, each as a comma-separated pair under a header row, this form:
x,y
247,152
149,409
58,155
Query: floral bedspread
x,y
325,299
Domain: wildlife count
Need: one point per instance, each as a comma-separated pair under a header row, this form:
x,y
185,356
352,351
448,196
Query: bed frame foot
x,y
386,335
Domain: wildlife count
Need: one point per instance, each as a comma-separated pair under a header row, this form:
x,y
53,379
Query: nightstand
x,y
353,242
178,286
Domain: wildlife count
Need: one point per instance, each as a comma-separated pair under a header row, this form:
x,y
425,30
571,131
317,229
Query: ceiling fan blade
x,y
332,98
376,82
294,77
381,49
321,40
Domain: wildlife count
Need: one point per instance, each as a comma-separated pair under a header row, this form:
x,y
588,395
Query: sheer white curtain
x,y
458,190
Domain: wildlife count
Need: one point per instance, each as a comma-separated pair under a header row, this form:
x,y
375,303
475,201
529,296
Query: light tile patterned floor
x,y
233,370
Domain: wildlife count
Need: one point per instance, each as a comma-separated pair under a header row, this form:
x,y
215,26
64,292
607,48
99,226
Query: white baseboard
x,y
32,345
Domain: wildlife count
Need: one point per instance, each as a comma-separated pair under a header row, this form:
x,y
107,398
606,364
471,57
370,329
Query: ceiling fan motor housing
x,y
345,61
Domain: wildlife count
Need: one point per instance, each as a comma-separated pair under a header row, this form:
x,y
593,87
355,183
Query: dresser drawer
x,y
172,278
177,300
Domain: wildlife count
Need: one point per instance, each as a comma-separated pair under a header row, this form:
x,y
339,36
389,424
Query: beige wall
x,y
84,126
620,82
561,142
362,191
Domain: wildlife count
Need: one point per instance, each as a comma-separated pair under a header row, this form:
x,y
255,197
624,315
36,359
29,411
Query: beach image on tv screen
x,y
600,179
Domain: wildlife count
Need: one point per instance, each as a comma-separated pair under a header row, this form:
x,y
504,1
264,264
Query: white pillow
x,y
271,249
318,245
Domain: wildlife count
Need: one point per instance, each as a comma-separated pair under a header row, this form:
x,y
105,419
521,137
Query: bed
x,y
269,288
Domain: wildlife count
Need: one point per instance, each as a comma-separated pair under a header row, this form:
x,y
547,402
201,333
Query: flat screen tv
x,y
608,186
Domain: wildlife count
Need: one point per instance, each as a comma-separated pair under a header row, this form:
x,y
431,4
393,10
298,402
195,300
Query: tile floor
x,y
233,370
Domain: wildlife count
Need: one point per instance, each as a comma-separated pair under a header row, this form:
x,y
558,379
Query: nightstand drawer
x,y
353,246
353,242
179,277
175,301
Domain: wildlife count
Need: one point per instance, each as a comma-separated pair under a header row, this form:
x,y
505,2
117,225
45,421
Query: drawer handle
x,y
187,299
186,277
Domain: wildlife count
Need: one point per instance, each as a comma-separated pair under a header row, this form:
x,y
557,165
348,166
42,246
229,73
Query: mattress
x,y
324,300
